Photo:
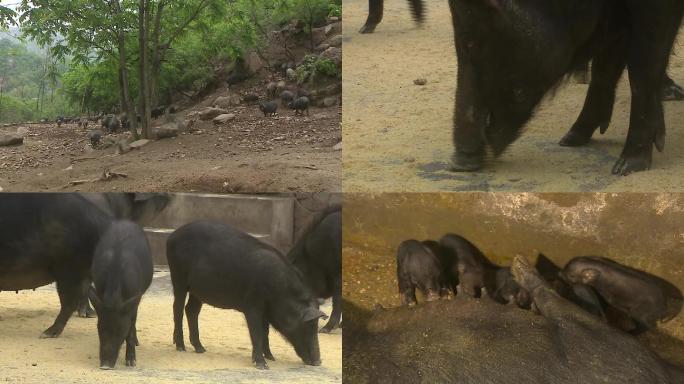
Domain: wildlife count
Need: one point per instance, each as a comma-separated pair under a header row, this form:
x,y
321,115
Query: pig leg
x,y
650,48
69,291
407,290
84,308
375,8
255,324
267,346
336,313
607,68
132,340
192,310
179,294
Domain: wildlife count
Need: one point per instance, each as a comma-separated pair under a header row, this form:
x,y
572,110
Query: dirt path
x,y
397,136
250,154
73,357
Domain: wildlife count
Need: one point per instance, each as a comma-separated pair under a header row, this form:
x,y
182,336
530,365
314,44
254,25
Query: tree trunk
x,y
127,102
156,56
143,69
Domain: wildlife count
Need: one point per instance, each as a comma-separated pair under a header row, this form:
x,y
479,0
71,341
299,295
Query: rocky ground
x,y
219,139
250,153
73,357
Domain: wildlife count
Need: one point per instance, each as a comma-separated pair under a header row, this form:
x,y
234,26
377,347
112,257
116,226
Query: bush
x,y
313,67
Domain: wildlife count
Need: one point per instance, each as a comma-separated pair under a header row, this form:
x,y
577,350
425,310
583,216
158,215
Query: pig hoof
x,y
368,28
180,348
50,333
269,356
261,365
130,363
106,367
326,329
200,349
465,163
625,166
574,139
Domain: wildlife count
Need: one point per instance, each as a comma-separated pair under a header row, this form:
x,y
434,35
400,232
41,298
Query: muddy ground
x,y
397,135
73,357
252,153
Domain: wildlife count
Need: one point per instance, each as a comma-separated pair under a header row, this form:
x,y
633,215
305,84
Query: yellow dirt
x,y
73,357
397,135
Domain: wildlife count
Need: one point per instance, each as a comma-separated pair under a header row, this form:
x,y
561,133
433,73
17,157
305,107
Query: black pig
x,y
418,267
512,53
122,272
318,255
227,268
644,298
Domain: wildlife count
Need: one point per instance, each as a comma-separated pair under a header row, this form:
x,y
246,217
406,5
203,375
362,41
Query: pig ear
x,y
311,313
94,299
590,275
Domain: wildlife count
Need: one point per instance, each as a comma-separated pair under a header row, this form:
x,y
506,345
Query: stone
x,y
332,53
10,139
253,62
164,132
291,74
335,41
209,113
139,143
222,102
222,119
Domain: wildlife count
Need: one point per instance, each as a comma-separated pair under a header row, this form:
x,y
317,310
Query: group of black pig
x,y
296,99
74,240
626,298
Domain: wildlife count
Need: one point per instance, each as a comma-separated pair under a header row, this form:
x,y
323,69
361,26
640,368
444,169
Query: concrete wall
x,y
277,219
645,231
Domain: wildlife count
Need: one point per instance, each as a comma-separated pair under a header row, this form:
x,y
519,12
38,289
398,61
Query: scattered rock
x,y
209,113
234,100
335,41
10,139
332,53
163,132
222,119
139,143
221,102
253,62
323,47
280,87
338,146
291,74
122,147
420,81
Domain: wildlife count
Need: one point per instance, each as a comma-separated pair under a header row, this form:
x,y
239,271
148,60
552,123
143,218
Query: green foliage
x,y
196,37
334,10
13,109
312,68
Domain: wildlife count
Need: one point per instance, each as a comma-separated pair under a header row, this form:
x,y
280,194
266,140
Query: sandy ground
x,y
252,153
73,357
397,135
